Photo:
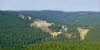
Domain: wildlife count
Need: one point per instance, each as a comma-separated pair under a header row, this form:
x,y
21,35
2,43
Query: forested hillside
x,y
15,31
64,46
36,30
94,34
60,17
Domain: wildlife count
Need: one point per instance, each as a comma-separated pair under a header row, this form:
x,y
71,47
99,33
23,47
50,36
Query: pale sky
x,y
63,5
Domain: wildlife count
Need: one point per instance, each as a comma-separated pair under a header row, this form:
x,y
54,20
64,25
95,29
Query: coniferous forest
x,y
20,30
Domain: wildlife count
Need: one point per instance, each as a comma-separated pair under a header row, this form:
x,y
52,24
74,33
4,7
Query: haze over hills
x,y
49,25
18,28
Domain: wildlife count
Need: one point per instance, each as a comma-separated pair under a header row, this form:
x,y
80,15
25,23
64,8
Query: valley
x,y
30,29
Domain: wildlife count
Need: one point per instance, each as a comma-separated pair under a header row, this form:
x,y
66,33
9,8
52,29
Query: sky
x,y
62,5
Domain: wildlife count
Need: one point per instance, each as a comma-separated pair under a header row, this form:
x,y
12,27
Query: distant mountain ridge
x,y
76,18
